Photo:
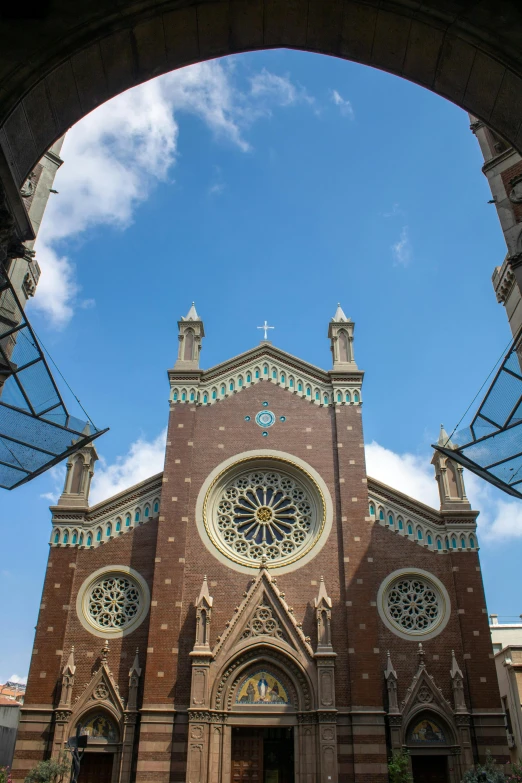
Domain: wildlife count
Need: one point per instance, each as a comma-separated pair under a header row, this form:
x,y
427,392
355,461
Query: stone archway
x,y
57,68
259,688
432,747
102,757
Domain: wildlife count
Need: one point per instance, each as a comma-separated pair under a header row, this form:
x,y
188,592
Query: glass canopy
x,y
36,429
491,446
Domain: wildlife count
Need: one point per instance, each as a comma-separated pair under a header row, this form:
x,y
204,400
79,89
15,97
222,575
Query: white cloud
x,y
143,459
409,473
279,90
57,475
345,107
402,250
116,154
18,679
500,518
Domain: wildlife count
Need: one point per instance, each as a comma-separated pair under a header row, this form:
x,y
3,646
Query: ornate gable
x,y
101,692
263,613
340,386
423,692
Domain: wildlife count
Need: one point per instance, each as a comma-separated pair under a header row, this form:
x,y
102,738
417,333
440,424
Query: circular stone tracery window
x,y
113,601
264,510
413,603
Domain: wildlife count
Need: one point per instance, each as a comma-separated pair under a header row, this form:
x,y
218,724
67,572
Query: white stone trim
x,y
292,462
83,593
68,523
227,383
414,636
439,531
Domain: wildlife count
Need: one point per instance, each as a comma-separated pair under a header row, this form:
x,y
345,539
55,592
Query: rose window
x,y
265,515
114,601
413,604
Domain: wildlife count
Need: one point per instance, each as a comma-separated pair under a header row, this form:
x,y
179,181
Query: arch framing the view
x,y
471,56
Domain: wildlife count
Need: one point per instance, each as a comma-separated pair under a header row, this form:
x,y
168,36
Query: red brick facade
x,y
359,554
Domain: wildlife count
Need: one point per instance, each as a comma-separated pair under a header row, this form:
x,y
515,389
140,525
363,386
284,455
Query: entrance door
x,y
262,755
247,755
96,768
278,755
430,769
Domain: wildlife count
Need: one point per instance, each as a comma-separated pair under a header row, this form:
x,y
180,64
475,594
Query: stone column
x,y
307,762
197,747
129,730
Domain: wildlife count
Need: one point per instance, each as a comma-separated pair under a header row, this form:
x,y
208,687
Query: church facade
x,y
262,610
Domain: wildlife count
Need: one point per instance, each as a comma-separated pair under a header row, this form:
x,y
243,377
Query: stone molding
x,y
98,517
199,390
438,525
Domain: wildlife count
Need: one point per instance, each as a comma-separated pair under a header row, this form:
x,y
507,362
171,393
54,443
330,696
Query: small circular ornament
x,y
247,418
265,418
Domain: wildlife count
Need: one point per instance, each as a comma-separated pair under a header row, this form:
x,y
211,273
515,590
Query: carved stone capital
x,y
307,717
395,720
207,716
327,717
463,720
63,716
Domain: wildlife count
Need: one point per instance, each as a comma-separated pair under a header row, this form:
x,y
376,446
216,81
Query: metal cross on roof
x,y
266,327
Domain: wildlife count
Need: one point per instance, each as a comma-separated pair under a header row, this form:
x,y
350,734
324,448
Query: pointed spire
x,y
192,314
323,596
389,671
391,685
204,595
190,334
444,439
135,669
323,616
70,667
339,316
420,654
455,669
340,332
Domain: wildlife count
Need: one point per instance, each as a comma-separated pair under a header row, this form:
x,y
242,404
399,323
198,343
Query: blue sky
x,y
270,185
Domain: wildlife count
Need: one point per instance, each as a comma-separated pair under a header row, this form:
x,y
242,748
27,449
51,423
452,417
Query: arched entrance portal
x,y
262,704
262,727
101,759
431,745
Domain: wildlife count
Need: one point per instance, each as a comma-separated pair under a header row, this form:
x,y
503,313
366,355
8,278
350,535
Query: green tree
x,y
399,767
485,773
50,771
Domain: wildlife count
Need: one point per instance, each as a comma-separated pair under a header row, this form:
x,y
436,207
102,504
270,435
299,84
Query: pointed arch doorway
x,y
431,746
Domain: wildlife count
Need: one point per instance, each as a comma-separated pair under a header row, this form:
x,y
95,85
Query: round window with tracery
x,y
270,512
114,601
413,603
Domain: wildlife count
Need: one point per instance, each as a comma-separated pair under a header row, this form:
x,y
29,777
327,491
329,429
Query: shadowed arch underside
x,y
70,63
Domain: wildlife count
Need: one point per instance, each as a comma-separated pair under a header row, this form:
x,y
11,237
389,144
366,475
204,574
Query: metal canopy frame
x,y
36,429
491,447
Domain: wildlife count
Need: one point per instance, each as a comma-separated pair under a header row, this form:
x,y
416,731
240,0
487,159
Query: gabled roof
x,y
264,350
